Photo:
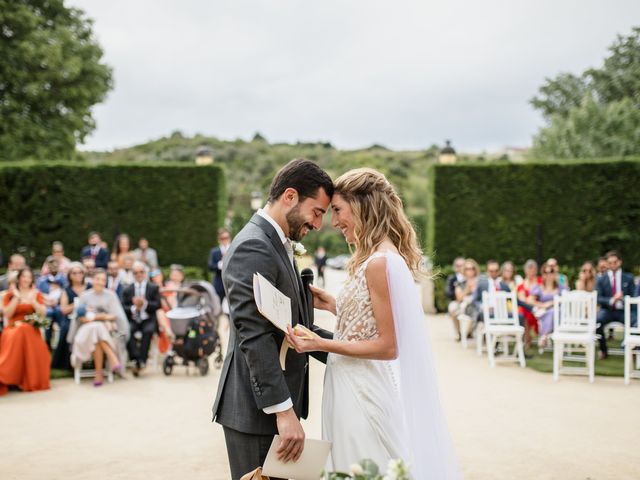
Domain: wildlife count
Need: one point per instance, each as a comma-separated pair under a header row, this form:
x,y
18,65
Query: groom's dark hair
x,y
303,175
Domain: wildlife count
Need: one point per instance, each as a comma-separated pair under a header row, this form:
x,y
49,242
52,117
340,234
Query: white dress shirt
x,y
287,404
139,290
618,273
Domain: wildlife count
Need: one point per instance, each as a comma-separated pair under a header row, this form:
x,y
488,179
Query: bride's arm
x,y
384,347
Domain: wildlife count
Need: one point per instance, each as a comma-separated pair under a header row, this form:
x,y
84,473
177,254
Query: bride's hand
x,y
302,344
323,300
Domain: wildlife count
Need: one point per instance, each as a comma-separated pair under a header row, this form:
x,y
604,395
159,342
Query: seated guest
x,y
141,300
121,248
100,323
509,276
57,252
603,266
563,281
612,288
76,286
94,250
527,318
24,356
51,286
165,333
114,278
126,271
452,282
543,294
586,278
89,269
464,294
146,254
488,283
16,262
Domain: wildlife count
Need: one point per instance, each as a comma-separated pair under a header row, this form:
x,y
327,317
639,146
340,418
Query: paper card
x,y
308,467
271,302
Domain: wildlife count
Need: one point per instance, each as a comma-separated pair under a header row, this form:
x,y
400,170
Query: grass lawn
x,y
59,373
611,367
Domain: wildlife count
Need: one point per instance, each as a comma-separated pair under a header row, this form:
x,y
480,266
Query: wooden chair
x,y
502,323
631,339
574,330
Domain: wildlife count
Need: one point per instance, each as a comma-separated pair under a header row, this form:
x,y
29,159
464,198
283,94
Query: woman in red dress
x,y
24,356
524,295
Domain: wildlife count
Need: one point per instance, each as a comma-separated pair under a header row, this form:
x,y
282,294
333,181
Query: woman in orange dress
x,y
24,356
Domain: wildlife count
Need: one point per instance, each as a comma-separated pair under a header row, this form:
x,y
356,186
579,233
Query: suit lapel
x,y
277,244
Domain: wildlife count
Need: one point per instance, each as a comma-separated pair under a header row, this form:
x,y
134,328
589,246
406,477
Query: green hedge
x,y
492,211
177,207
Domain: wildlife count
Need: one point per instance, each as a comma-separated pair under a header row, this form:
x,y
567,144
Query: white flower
x,y
298,249
397,470
356,469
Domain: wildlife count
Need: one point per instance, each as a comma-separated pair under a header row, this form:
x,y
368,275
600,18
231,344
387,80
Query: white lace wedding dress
x,y
383,410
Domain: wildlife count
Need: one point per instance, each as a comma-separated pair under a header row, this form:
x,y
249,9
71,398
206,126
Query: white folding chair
x,y
501,323
631,339
574,329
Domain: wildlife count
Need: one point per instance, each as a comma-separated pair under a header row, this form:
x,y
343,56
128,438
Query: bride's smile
x,y
342,217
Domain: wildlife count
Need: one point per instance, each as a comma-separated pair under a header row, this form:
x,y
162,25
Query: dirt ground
x,y
506,423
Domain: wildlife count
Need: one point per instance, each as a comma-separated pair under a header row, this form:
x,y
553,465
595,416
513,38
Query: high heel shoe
x,y
117,369
97,383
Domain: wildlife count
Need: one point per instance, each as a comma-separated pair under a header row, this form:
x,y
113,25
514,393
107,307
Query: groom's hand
x,y
291,436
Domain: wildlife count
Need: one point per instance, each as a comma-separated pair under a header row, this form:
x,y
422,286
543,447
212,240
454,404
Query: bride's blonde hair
x,y
378,214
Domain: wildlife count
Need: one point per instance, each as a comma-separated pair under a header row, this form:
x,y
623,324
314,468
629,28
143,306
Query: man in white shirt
x,y
140,300
256,398
612,287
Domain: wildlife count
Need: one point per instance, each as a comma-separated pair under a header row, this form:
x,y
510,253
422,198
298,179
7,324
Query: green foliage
x,y
177,207
50,77
250,166
492,211
597,113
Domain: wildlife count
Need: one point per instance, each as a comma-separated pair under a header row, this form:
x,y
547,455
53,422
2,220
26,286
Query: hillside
x,y
251,165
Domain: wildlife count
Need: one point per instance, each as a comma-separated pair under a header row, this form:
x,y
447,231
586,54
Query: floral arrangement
x,y
298,249
37,321
368,470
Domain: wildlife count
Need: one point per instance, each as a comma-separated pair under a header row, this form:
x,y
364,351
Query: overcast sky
x,y
405,74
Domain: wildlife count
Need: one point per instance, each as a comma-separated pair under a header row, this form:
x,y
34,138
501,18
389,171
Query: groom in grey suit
x,y
256,399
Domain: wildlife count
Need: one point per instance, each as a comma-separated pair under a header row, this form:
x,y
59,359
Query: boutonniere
x,y
298,249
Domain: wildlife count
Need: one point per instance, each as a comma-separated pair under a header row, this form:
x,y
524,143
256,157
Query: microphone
x,y
307,279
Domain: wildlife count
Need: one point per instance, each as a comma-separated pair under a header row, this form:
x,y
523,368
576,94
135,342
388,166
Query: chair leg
x,y
591,359
479,338
464,331
490,342
520,348
76,375
628,359
557,359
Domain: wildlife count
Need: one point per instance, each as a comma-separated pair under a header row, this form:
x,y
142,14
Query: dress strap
x,y
364,264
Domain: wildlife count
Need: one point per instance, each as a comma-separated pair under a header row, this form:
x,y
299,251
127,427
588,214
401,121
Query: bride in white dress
x,y
380,398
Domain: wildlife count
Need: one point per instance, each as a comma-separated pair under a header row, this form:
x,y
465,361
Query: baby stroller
x,y
195,325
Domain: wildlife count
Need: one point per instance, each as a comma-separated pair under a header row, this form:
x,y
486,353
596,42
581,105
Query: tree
x,y
50,76
597,113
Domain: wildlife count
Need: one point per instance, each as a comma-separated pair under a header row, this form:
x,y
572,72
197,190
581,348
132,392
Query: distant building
x,y
447,154
204,156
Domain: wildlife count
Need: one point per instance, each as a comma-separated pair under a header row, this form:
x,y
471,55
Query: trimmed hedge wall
x,y
492,211
178,208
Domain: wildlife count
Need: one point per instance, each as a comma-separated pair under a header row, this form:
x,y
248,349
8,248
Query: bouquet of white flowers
x,y
37,321
368,470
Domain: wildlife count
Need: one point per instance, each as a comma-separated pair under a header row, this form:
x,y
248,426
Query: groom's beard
x,y
296,223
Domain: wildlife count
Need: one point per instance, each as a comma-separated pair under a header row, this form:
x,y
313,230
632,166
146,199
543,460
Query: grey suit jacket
x,y
251,377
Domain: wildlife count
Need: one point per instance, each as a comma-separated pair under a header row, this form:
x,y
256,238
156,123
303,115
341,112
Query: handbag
x,y
255,475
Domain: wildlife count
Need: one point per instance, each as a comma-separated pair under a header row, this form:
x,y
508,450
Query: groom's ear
x,y
290,196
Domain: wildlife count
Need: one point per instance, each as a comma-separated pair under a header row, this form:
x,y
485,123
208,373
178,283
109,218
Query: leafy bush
x,y
493,211
177,207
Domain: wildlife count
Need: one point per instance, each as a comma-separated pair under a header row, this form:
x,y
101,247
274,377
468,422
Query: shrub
x,y
493,211
177,207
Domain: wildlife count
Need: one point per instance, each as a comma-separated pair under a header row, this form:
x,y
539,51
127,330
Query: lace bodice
x,y
354,311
